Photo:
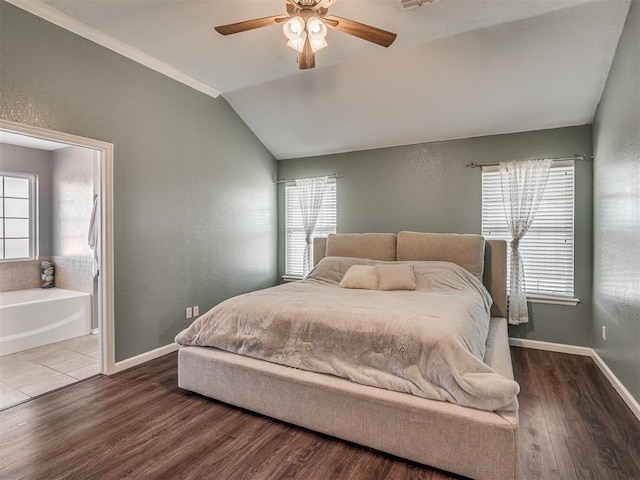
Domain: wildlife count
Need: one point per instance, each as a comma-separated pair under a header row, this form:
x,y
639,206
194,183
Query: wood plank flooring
x,y
140,425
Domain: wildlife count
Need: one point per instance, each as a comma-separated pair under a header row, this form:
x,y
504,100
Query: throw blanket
x,y
429,342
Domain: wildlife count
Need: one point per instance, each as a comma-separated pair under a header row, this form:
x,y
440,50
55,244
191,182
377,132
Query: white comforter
x,y
429,342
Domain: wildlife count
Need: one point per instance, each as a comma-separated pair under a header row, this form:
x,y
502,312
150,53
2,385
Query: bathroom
x,y
49,337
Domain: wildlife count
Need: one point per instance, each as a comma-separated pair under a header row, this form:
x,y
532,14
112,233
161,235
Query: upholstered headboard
x,y
479,256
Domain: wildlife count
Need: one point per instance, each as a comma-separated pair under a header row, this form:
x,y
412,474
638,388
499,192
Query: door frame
x,y
105,280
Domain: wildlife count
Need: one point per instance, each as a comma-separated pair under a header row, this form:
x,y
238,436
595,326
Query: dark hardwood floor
x,y
139,425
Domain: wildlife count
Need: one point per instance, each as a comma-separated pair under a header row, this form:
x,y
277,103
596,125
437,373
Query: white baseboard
x,y
631,402
551,347
145,357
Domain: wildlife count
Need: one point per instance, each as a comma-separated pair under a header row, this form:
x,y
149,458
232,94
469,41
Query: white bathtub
x,y
35,317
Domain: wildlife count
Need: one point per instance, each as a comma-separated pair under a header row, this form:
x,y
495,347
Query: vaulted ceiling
x,y
459,68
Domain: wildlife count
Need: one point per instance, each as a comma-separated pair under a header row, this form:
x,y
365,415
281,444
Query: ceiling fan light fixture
x,y
316,28
317,32
293,28
297,43
317,44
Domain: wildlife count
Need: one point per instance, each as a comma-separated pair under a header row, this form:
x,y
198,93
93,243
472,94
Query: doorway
x,y
97,256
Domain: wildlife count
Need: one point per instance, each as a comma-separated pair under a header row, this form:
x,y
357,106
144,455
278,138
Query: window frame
x,y
33,216
321,230
535,295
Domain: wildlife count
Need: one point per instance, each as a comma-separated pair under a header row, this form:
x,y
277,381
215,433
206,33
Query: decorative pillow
x,y
464,250
360,276
396,277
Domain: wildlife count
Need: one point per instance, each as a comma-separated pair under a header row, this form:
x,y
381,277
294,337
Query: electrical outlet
x,y
604,332
189,313
196,311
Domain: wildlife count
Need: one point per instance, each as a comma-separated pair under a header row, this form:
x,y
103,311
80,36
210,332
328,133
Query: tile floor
x,y
33,372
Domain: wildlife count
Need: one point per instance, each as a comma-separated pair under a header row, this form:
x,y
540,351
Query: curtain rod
x,y
582,156
331,175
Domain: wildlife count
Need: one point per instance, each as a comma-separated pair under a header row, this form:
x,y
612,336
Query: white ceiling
x,y
459,68
31,142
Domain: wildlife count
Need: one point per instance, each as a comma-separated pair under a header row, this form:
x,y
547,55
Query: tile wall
x,y
20,275
72,273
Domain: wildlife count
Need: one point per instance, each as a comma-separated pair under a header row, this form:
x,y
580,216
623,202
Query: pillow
x,y
464,250
396,277
360,276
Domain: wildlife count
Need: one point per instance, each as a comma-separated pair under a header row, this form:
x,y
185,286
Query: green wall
x,y
427,187
616,281
194,201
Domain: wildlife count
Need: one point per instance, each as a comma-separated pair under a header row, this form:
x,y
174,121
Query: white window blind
x,y
17,216
294,230
547,248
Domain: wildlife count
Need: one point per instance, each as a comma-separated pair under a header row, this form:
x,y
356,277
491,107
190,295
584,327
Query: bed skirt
x,y
466,441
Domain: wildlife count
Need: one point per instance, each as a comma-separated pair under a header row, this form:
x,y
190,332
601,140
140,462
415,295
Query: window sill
x,y
551,300
16,260
290,278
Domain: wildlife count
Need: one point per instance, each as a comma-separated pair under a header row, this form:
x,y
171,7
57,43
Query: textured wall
x,y
195,204
427,187
14,158
616,280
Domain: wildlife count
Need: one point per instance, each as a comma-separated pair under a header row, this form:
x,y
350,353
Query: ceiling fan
x,y
305,26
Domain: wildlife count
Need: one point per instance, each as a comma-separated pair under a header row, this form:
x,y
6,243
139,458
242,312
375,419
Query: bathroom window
x,y
18,229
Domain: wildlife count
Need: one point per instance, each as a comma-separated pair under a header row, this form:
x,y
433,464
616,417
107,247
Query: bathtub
x,y
35,317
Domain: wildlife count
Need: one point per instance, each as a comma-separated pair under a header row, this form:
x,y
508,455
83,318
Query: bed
x,y
477,441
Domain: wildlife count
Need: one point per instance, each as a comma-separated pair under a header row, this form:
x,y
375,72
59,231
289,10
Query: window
x,y
17,216
294,230
547,248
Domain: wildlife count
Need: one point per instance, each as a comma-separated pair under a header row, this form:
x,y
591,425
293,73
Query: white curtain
x,y
311,193
523,183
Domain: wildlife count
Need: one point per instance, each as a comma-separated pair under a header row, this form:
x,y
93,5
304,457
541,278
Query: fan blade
x,y
324,4
306,58
330,23
360,30
249,24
